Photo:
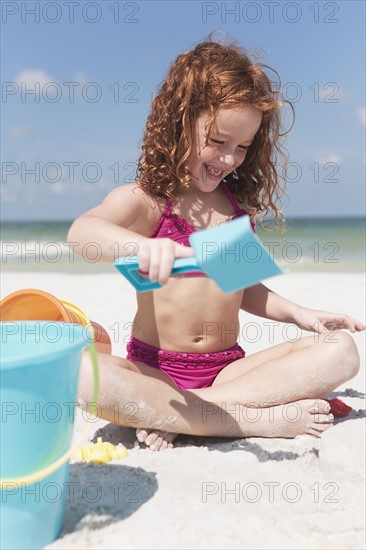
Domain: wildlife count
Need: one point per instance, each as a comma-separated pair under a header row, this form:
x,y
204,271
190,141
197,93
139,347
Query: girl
x,y
209,154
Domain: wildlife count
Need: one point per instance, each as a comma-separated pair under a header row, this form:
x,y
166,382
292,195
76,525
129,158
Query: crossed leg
x,y
292,374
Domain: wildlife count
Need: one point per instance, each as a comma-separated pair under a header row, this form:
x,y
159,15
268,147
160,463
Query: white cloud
x,y
36,79
361,112
81,78
19,132
324,157
31,77
333,157
58,188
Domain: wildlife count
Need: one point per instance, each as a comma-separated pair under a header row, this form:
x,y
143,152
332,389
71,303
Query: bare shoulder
x,y
130,207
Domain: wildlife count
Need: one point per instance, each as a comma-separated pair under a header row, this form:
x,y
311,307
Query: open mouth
x,y
213,172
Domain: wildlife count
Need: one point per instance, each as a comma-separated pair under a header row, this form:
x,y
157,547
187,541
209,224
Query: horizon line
x,y
292,217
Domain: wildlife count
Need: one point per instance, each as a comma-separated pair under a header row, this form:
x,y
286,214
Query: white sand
x,y
217,493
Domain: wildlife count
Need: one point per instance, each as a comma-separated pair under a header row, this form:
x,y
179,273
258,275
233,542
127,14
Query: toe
x,y
317,429
320,406
141,435
323,418
151,438
156,439
321,427
156,446
324,407
164,445
311,431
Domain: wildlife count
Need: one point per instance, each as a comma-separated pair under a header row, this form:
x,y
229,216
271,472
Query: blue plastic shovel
x,y
230,254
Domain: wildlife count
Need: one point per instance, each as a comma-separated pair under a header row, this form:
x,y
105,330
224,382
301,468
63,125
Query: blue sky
x,y
114,54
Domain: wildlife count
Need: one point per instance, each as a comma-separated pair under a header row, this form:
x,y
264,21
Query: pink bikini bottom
x,y
188,370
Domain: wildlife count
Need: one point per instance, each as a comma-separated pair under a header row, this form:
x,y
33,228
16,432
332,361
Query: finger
x,y
154,264
166,265
144,259
338,325
319,328
359,326
335,327
350,324
337,322
182,251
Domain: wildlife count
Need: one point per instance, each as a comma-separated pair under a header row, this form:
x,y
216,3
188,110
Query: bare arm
x,y
260,300
118,225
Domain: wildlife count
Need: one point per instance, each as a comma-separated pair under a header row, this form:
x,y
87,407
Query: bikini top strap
x,y
230,196
168,206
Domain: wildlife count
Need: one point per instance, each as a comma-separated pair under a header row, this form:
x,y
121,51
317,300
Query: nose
x,y
227,161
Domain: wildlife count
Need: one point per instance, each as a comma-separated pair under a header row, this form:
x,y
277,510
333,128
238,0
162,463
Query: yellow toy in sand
x,y
101,453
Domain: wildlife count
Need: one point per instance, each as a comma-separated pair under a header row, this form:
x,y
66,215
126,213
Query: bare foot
x,y
306,416
156,439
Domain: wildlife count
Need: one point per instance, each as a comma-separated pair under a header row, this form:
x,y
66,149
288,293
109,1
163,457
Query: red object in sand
x,y
338,408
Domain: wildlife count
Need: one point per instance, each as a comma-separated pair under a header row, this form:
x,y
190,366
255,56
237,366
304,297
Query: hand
x,y
156,257
323,321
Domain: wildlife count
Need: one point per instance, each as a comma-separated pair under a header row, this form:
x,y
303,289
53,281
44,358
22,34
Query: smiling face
x,y
232,133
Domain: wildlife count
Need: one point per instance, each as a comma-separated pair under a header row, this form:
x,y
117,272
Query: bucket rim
x,y
35,293
17,361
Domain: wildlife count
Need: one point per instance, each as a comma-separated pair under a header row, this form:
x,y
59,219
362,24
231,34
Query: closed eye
x,y
243,147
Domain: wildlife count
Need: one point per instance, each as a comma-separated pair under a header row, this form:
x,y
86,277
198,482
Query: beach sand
x,y
215,492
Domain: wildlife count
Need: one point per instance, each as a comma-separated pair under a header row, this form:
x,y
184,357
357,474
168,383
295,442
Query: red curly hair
x,y
206,78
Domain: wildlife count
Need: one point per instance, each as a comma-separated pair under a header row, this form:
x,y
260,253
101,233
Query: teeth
x,y
212,171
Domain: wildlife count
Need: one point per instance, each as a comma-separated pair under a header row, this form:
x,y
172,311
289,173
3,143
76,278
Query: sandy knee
x,y
345,354
86,378
341,357
86,375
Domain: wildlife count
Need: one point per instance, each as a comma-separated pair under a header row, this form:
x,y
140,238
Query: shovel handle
x,y
129,267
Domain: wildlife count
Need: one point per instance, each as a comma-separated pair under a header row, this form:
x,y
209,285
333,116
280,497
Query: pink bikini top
x,y
178,229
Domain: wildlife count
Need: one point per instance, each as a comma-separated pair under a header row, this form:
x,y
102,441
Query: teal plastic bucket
x,y
40,363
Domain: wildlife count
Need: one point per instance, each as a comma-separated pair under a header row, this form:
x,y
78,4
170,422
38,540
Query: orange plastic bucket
x,y
37,305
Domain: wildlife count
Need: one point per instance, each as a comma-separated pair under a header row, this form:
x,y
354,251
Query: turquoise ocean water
x,y
309,244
